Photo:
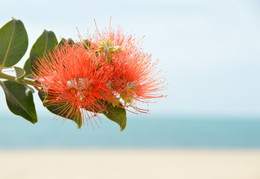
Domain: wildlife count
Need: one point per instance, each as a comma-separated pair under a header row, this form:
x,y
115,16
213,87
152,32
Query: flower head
x,y
134,74
74,79
109,69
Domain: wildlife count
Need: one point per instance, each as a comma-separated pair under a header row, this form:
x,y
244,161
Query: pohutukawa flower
x,y
109,68
134,74
74,79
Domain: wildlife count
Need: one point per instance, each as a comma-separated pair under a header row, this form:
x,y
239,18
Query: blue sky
x,y
209,50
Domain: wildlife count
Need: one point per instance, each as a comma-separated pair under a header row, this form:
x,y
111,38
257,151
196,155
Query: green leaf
x,y
63,41
59,109
19,100
20,73
116,114
44,44
13,43
27,68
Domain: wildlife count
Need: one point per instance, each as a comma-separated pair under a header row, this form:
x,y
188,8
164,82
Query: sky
x,y
209,51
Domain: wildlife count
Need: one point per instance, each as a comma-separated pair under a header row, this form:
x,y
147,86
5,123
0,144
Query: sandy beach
x,y
129,164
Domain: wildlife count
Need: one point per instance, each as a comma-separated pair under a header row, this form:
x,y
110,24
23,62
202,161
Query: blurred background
x,y
208,126
208,50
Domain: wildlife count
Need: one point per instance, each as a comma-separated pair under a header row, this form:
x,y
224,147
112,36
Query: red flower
x,y
74,79
134,74
108,68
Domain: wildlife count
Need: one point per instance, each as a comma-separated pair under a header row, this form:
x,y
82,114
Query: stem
x,y
12,78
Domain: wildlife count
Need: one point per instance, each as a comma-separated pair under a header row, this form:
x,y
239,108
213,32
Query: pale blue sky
x,y
210,50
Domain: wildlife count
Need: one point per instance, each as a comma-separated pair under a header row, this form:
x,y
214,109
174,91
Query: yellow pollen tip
x,y
131,90
73,90
90,87
123,94
82,100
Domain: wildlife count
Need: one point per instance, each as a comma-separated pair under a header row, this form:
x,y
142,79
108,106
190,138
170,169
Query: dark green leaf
x,y
59,109
13,43
19,100
63,41
116,114
27,68
20,73
44,44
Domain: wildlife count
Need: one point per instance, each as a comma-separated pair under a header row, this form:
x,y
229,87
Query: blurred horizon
x,y
141,132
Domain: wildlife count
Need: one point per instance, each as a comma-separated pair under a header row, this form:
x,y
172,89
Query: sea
x,y
160,131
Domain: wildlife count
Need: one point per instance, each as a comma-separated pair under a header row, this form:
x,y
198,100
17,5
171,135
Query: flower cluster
x,y
109,67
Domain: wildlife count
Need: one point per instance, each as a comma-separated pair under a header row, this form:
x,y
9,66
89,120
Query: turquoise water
x,y
142,131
